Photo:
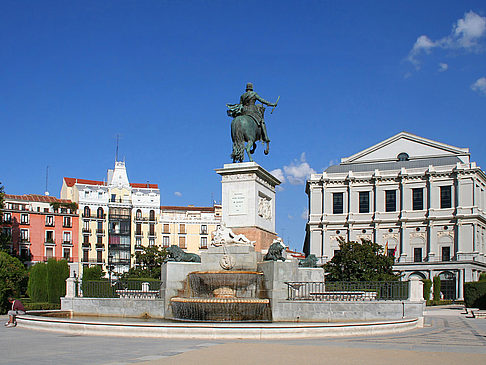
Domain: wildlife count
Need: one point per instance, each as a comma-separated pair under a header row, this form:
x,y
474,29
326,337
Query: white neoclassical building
x,y
422,200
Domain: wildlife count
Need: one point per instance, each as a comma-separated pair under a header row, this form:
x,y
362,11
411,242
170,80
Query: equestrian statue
x,y
248,125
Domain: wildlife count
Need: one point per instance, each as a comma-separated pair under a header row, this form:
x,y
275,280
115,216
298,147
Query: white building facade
x,y
422,200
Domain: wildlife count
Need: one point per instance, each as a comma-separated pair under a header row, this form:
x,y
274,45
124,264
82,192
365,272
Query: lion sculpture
x,y
275,251
309,261
177,254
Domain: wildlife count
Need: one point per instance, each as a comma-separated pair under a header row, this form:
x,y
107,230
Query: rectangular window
x,y
418,199
66,237
337,203
165,241
204,229
138,229
364,201
113,198
49,220
66,254
446,253
24,235
49,236
99,256
49,252
204,242
182,228
151,229
417,254
182,242
390,200
151,242
85,256
7,217
166,228
24,219
138,241
445,197
86,239
99,227
99,240
66,222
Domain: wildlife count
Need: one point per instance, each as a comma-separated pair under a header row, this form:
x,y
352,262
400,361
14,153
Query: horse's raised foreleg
x,y
267,149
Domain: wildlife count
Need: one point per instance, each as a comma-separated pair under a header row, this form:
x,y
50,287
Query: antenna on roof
x,y
46,193
116,152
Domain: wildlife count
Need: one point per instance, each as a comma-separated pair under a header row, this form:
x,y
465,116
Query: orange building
x,y
41,227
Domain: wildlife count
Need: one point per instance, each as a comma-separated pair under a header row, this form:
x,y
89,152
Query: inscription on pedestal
x,y
238,204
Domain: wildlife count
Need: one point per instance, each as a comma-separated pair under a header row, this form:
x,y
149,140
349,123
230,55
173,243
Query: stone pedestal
x,y
243,257
248,202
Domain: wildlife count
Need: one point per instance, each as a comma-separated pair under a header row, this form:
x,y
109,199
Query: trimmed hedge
x,y
41,306
436,288
475,294
427,287
37,286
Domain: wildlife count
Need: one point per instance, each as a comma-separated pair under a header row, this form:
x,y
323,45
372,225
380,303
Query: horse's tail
x,y
238,137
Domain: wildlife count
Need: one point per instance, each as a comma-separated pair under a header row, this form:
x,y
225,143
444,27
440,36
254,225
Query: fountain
x,y
226,294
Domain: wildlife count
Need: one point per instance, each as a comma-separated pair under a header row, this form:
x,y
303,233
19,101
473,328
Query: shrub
x,y
436,288
475,294
57,273
427,287
37,286
482,276
93,273
13,277
41,306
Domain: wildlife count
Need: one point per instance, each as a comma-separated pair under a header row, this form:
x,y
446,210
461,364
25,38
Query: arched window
x,y
87,212
403,156
138,215
100,212
152,215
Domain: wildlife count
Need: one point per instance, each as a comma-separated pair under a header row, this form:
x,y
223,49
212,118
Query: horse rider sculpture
x,y
247,107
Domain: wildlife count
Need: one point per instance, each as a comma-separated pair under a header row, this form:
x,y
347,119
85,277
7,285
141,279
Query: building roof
x,y
394,165
70,181
188,208
37,198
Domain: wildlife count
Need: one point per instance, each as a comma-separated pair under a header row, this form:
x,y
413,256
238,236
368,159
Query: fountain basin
x,y
221,309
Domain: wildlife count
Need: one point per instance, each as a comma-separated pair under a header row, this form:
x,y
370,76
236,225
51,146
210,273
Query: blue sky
x,y
73,75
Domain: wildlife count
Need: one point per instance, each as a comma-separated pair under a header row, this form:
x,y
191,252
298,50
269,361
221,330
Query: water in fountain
x,y
223,296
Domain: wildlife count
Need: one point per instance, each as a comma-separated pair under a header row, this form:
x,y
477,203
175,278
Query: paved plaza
x,y
449,337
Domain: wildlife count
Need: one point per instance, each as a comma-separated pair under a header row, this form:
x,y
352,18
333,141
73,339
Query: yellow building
x,y
188,227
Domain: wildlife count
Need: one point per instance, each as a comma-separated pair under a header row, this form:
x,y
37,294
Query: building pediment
x,y
413,146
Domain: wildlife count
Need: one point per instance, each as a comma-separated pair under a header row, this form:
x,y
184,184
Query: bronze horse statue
x,y
244,129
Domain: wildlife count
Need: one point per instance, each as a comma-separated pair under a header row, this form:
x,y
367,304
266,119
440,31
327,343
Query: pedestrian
x,y
17,308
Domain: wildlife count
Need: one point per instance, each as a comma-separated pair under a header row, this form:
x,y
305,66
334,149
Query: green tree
x,y
436,288
13,279
360,261
57,273
37,287
148,263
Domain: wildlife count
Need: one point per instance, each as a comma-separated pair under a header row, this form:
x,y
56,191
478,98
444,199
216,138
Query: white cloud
x,y
177,193
480,85
465,34
298,171
278,173
305,214
443,67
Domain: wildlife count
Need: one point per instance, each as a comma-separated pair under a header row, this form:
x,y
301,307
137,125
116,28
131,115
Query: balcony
x,y
25,223
92,261
86,244
100,245
138,234
49,224
152,235
49,241
100,232
67,242
86,230
138,248
67,225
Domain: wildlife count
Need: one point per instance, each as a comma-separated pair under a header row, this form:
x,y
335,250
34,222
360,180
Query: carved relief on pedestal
x,y
264,208
238,177
391,236
335,237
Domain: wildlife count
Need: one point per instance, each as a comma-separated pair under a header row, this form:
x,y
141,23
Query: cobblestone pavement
x,y
448,337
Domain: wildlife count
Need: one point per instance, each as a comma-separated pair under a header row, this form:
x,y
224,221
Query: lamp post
x,y
110,266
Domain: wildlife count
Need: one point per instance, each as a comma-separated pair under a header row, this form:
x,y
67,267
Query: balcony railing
x,y
100,231
67,242
86,244
49,224
86,230
49,241
68,259
348,291
92,261
152,235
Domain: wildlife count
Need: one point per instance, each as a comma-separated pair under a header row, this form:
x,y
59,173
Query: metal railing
x,y
120,288
347,290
